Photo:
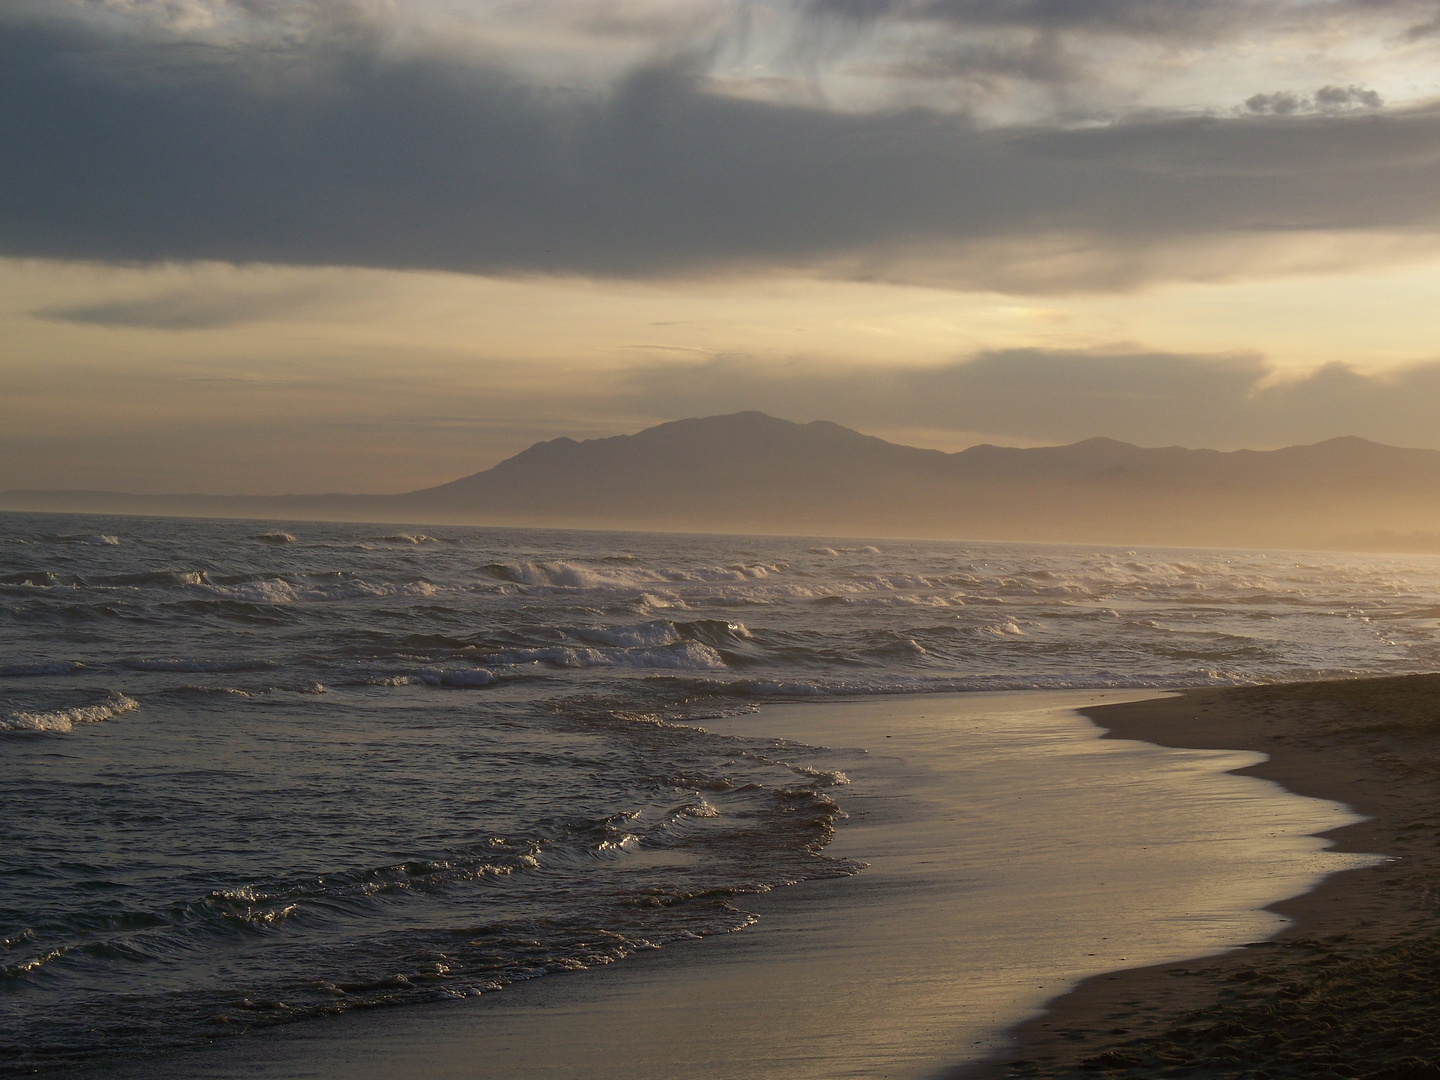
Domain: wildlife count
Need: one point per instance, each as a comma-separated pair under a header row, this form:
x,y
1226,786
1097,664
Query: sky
x,y
258,246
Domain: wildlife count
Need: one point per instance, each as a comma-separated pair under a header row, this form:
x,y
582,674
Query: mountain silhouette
x,y
749,472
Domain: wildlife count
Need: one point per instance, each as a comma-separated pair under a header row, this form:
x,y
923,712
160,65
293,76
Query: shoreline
x,y
1348,989
999,831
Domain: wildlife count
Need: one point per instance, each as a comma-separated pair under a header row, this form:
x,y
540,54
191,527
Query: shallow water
x,y
1010,852
252,773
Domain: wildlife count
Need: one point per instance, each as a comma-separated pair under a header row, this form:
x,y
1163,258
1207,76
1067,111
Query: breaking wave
x,y
449,677
65,720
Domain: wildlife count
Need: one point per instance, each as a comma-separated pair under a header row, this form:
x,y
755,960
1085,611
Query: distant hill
x,y
749,472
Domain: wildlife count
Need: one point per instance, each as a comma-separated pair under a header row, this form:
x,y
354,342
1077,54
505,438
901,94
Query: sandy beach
x,y
1351,987
1011,853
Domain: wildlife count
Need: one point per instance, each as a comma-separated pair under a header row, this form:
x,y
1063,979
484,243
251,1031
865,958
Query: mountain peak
x,y
752,472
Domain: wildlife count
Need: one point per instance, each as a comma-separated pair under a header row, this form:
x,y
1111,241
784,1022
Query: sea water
x,y
254,773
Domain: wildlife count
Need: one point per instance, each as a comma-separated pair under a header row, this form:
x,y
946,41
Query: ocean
x,y
252,773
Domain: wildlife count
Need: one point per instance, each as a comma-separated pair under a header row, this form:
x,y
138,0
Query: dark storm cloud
x,y
1056,396
122,149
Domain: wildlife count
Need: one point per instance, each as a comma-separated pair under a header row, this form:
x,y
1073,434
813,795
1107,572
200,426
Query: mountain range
x,y
752,473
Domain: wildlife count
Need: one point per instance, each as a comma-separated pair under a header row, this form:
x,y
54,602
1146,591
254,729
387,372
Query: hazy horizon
x,y
600,436
335,245
752,474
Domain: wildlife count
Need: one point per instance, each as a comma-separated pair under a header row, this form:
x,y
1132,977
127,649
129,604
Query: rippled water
x,y
250,774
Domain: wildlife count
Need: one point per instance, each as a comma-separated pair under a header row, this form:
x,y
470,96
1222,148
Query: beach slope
x,y
1352,988
1010,853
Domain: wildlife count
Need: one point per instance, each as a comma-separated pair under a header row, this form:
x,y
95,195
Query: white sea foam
x,y
572,575
260,589
651,634
624,842
1000,629
690,655
275,590
33,963
87,539
828,776
265,591
700,808
650,601
686,655
562,573
64,720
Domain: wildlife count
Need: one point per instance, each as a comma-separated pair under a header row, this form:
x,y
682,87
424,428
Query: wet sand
x,y
1012,852
1352,987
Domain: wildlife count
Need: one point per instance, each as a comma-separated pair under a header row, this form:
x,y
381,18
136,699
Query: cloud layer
x,y
1040,396
350,151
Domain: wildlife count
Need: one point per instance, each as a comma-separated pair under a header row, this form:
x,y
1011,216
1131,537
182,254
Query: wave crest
x,y
64,720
